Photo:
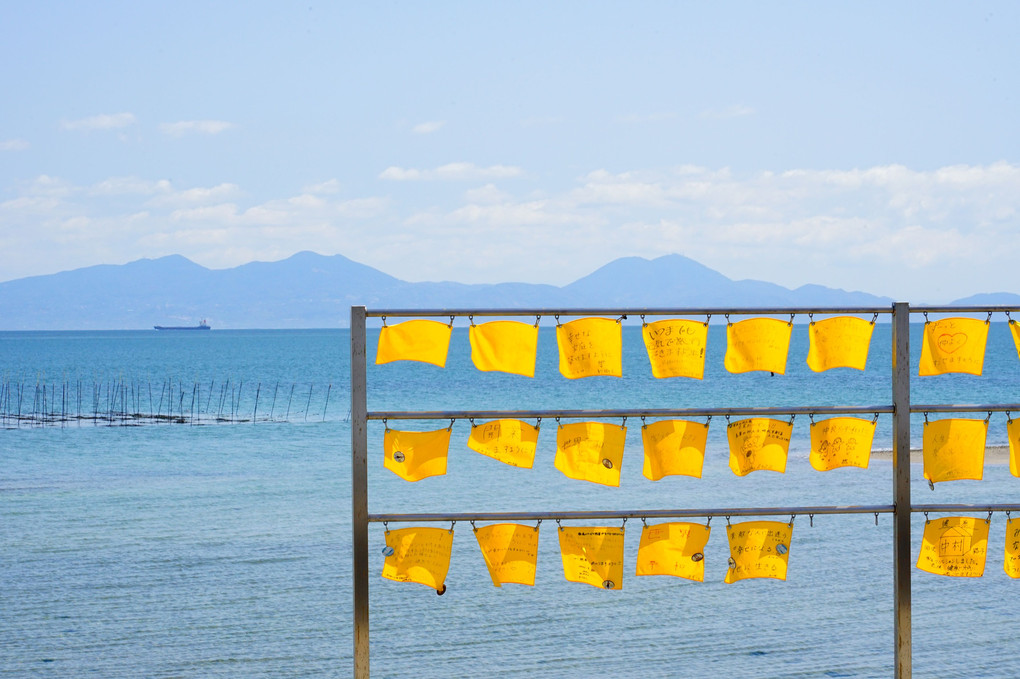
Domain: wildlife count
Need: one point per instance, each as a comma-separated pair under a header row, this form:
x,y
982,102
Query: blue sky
x,y
868,146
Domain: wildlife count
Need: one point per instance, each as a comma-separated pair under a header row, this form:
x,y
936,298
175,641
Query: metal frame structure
x,y
900,408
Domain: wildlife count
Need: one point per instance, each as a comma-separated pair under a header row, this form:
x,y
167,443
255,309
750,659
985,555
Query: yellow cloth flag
x,y
510,551
954,449
676,347
419,555
676,549
415,455
422,340
841,442
758,549
954,545
1013,434
674,447
839,342
593,556
589,347
953,345
1012,563
1014,328
504,346
758,443
757,344
511,442
591,451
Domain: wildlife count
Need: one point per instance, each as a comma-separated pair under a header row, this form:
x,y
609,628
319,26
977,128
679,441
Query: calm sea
x,y
215,550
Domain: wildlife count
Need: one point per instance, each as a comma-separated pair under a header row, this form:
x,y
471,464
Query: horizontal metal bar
x,y
977,309
1007,507
630,513
966,408
634,412
621,311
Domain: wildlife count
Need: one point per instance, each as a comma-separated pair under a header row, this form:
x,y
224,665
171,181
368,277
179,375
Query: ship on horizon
x,y
201,326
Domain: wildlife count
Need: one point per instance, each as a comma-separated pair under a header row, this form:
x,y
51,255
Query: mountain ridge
x,y
309,290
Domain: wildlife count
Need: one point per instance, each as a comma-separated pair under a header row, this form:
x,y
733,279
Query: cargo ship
x,y
201,326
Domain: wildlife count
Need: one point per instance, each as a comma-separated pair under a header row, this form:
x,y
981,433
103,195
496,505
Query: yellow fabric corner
x,y
954,545
674,447
758,549
953,345
676,347
1012,563
422,340
758,444
419,555
954,449
676,549
841,442
590,347
511,442
1014,329
757,344
504,346
415,455
591,451
1013,434
510,551
593,556
839,342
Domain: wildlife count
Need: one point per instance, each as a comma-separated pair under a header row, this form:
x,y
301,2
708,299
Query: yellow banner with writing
x,y
841,442
954,449
1012,563
593,556
953,345
422,340
758,444
757,344
676,347
758,549
676,549
591,451
419,555
954,545
511,442
504,346
839,342
1013,434
590,347
510,551
674,448
415,455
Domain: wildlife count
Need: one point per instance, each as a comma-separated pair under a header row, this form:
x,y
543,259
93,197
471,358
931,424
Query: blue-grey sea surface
x,y
219,548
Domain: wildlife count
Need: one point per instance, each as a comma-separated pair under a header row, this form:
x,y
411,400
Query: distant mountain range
x,y
310,290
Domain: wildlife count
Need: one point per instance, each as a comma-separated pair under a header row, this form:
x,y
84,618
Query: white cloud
x,y
330,186
198,195
646,117
452,172
13,145
183,127
728,112
106,121
428,127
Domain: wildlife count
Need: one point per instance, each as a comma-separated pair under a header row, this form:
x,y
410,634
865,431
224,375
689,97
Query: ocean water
x,y
223,549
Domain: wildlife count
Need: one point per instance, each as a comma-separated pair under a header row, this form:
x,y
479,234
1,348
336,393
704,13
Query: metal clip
x,y
643,522
386,526
988,419
643,424
643,324
450,428
793,416
386,424
727,419
452,524
451,320
624,524
876,518
472,421
472,526
727,521
792,517
926,417
558,422
791,319
931,485
538,423
811,520
537,319
811,416
727,317
708,317
557,317
925,317
384,321
471,319
811,318
538,524
707,421
559,525
874,420
708,521
622,318
624,424
926,521
989,318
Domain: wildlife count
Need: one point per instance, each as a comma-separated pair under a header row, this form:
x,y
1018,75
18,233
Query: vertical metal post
x,y
901,485
359,490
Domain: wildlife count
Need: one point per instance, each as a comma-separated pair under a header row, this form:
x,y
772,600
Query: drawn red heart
x,y
952,342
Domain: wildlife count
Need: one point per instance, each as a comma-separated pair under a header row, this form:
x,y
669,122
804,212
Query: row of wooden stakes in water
x,y
676,347
953,449
953,546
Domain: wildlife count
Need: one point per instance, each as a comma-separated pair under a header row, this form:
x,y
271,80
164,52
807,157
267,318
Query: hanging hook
x,y
384,321
643,522
811,520
538,423
622,318
472,526
451,320
926,417
538,524
537,319
386,526
472,421
1007,515
876,518
792,517
811,318
793,416
708,521
791,319
450,428
643,423
708,317
989,318
623,425
558,422
874,420
624,524
727,521
643,324
559,525
988,419
386,424
1009,418
926,518
707,420
557,317
989,518
925,317
471,319
811,416
727,419
452,524
727,316
874,318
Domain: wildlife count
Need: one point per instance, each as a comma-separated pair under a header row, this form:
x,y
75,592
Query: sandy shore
x,y
993,455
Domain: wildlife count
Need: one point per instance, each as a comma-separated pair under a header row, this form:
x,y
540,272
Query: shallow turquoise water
x,y
223,550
